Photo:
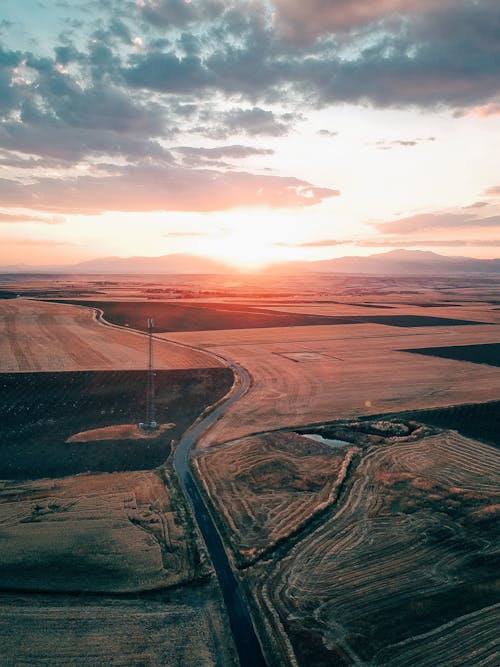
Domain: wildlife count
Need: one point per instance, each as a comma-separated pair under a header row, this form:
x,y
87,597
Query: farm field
x,y
43,336
376,551
175,628
488,353
170,316
401,570
477,420
87,538
302,375
268,487
108,533
40,411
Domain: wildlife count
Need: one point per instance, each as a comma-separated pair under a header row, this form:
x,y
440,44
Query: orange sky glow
x,y
250,132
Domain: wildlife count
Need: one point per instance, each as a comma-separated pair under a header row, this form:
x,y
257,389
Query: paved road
x,y
247,645
245,639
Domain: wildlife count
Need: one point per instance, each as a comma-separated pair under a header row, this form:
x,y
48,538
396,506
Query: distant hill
x,y
395,262
175,263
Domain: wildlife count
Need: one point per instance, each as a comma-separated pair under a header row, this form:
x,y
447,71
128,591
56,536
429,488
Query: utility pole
x,y
150,423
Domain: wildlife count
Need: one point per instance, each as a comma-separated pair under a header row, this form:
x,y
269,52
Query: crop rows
x,y
267,487
410,550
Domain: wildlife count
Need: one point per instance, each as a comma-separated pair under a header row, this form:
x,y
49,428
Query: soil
x,y
218,316
40,411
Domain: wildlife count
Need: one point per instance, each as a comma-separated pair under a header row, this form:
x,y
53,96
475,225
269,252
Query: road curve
x,y
245,639
247,644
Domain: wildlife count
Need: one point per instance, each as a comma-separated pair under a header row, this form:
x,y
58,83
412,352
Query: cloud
x,y
430,243
387,144
13,218
477,204
154,188
320,243
426,221
304,21
27,241
180,13
425,53
327,133
494,191
198,156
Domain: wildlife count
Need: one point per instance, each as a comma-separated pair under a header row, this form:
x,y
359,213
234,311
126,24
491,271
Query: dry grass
x,y
185,628
400,569
362,371
111,532
42,336
266,488
118,432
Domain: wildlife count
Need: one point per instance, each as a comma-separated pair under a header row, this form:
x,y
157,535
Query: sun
x,y
246,247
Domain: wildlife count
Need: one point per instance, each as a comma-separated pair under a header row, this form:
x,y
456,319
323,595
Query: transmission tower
x,y
150,423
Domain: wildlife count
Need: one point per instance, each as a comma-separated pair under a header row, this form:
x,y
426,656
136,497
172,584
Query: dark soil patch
x,y
480,421
485,353
39,411
217,316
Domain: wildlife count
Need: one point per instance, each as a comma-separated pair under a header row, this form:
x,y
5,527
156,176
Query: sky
x,y
250,131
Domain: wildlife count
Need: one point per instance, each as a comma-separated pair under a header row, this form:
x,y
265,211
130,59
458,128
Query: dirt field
x,y
108,533
171,316
489,353
311,374
398,569
43,336
266,488
40,411
176,629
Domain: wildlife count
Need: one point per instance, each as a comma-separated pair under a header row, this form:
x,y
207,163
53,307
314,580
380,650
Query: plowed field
x,y
398,569
42,336
311,374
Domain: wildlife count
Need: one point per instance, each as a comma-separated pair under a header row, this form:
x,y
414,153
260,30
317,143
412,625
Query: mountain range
x,y
395,262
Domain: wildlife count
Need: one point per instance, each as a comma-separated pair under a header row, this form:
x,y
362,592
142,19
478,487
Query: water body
x,y
245,639
326,441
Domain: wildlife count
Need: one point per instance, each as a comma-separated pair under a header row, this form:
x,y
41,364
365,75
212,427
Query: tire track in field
x,y
69,341
12,336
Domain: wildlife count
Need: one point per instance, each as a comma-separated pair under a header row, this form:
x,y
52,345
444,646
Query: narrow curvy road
x,y
247,645
245,639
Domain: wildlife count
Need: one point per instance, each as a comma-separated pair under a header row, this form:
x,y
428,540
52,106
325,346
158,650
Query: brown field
x,y
177,629
43,336
267,487
117,532
311,374
40,411
401,572
379,552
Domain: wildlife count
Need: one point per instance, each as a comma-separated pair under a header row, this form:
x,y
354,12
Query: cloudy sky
x,y
248,130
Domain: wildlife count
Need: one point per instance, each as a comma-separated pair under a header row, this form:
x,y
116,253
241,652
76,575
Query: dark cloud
x,y
51,114
168,73
234,151
304,21
255,122
426,221
196,156
180,13
151,188
426,54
